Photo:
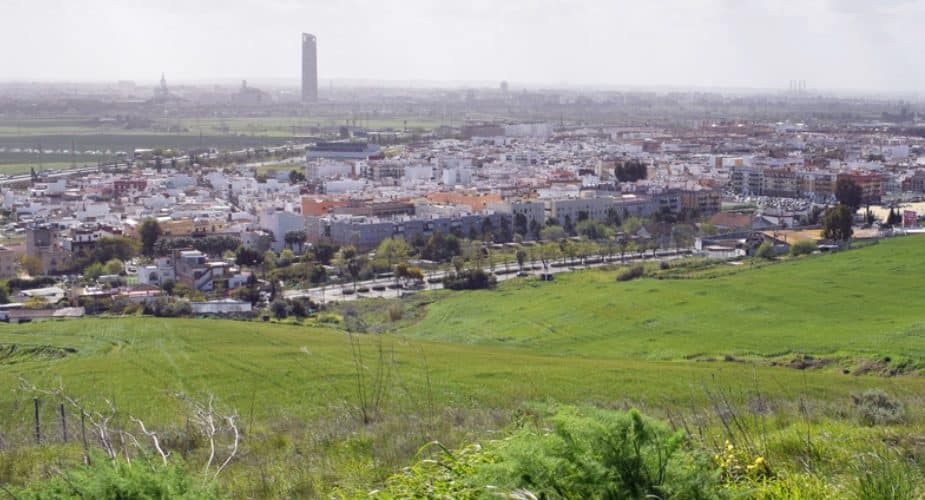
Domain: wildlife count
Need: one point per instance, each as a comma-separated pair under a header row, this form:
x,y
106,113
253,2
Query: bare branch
x,y
154,438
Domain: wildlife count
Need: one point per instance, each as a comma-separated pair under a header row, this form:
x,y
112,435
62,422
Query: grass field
x,y
868,303
472,359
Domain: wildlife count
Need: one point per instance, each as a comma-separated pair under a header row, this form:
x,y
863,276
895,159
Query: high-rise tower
x,y
309,68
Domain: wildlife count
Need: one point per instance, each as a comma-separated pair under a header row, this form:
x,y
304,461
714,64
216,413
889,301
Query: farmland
x,y
464,362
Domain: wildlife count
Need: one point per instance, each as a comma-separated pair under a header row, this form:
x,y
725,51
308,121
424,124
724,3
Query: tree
x,y
568,227
488,229
391,252
93,271
520,224
441,248
280,308
296,176
521,258
247,257
535,228
632,225
613,217
548,252
295,240
626,246
269,261
848,193
324,251
894,218
869,217
552,233
682,236
149,231
32,265
631,171
505,233
351,263
592,230
114,266
836,223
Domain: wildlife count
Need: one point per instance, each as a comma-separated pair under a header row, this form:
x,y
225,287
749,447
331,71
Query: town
x,y
403,250
205,232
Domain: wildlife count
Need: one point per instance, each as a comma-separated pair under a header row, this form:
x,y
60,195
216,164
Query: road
x,y
387,288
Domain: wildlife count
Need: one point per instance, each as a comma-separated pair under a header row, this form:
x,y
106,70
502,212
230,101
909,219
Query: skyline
x,y
833,45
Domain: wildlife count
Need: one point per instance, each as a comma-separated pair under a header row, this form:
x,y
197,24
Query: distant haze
x,y
832,44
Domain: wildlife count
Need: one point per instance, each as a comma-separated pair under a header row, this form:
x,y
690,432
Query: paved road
x,y
386,287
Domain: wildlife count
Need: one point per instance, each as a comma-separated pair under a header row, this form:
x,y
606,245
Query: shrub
x,y
876,407
637,271
441,475
164,307
804,247
471,279
396,312
280,308
593,453
765,251
117,480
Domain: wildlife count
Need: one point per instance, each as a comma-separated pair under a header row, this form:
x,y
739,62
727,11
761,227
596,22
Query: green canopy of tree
x,y
631,171
592,230
296,176
848,193
552,233
836,223
391,252
149,231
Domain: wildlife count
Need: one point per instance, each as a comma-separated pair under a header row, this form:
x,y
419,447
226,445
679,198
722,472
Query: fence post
x,y
38,427
83,437
63,422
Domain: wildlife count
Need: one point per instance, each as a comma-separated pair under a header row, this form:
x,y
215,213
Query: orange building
x,y
476,203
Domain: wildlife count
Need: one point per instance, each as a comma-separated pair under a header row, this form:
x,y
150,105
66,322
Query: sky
x,y
762,44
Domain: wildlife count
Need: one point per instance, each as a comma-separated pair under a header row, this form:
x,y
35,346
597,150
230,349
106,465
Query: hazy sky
x,y
832,44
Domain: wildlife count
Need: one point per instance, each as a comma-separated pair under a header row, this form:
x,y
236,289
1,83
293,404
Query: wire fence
x,y
38,421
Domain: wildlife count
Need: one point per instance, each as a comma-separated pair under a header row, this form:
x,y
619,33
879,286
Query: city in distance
x,y
427,250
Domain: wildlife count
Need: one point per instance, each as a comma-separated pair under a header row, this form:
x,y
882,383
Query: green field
x,y
460,364
867,303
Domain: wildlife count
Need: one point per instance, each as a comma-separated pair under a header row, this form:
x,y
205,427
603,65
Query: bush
x,y
804,247
16,284
280,308
396,312
593,453
589,453
162,307
632,273
471,279
765,251
876,407
117,479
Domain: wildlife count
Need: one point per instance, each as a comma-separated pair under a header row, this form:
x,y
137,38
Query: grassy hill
x,y
866,303
469,361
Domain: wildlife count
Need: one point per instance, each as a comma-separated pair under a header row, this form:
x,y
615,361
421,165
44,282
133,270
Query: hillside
x,y
468,364
866,303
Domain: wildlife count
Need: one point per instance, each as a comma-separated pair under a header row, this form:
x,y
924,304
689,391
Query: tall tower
x,y
309,68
